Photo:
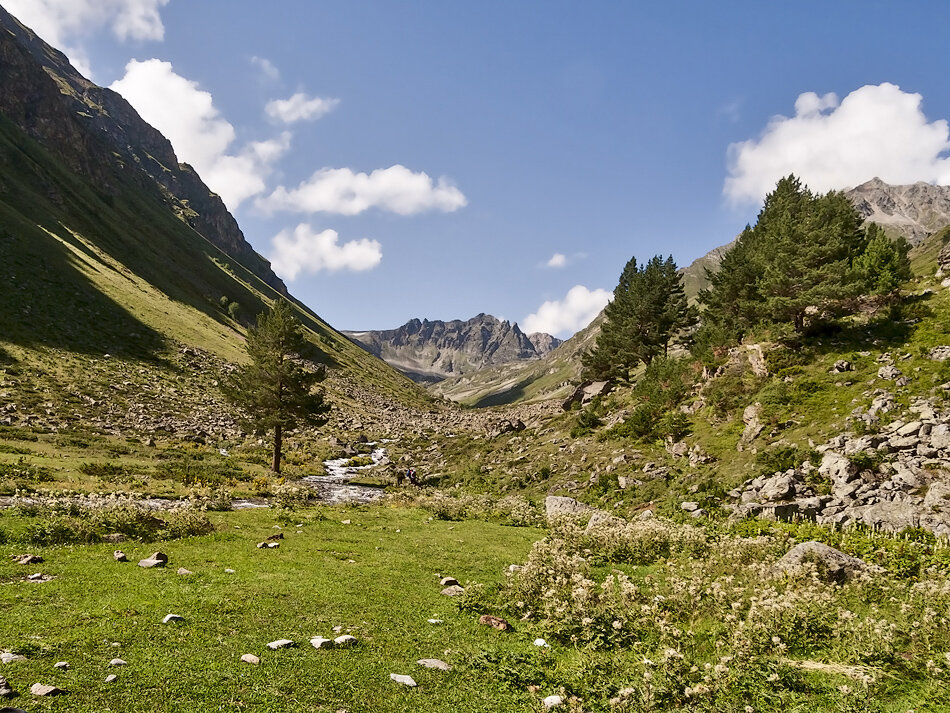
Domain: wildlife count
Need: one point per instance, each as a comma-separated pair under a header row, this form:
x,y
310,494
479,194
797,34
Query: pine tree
x,y
884,265
648,309
799,255
275,391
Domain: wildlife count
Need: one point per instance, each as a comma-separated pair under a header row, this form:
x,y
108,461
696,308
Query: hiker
x,y
411,475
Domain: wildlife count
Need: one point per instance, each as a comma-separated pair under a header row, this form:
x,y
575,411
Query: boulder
x,y
39,689
558,506
941,353
495,622
280,644
6,690
437,664
403,679
833,565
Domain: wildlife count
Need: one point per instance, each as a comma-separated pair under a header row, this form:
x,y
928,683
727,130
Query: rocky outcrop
x,y
429,351
914,211
893,478
98,134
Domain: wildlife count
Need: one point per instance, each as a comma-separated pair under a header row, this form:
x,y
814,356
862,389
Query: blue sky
x,y
440,159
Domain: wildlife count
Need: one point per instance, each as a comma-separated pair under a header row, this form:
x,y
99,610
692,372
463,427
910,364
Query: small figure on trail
x,y
411,475
400,476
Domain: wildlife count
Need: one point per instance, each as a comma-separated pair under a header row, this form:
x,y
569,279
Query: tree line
x,y
807,258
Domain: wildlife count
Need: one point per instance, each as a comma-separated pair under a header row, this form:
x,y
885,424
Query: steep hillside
x,y
126,285
429,351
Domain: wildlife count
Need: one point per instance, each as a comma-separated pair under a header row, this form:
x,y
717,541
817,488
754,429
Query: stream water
x,y
335,487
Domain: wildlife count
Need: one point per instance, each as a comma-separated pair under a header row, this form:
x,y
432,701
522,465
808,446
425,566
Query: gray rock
x,y
780,487
889,372
434,663
833,565
842,366
251,659
111,678
118,662
280,644
552,702
173,619
941,353
119,556
403,679
559,506
753,426
345,641
7,657
838,468
689,506
27,559
448,581
6,690
319,642
61,665
149,563
39,689
452,591
182,570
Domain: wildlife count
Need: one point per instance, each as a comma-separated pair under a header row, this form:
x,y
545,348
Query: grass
x,y
377,577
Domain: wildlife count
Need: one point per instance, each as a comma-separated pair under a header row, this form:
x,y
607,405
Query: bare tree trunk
x,y
277,445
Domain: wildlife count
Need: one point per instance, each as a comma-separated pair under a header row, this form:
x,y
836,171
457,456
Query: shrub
x,y
588,420
198,473
110,472
23,470
782,458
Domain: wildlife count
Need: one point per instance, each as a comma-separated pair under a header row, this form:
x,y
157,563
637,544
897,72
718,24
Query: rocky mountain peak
x,y
432,350
915,210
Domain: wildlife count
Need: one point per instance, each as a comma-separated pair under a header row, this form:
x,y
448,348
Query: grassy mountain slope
x,y
85,274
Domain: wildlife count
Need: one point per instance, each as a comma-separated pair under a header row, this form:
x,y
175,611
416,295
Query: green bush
x,y
782,458
588,420
198,473
25,471
109,472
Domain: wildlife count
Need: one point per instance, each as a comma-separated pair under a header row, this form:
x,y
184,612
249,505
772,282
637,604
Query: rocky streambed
x,y
336,486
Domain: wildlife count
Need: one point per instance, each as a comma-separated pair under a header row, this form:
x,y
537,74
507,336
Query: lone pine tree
x,y
275,390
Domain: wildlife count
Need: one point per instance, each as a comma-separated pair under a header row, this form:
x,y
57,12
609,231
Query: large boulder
x,y
556,506
833,565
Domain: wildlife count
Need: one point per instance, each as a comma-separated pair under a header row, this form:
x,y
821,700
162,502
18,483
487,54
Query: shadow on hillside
x,y
48,302
503,398
891,329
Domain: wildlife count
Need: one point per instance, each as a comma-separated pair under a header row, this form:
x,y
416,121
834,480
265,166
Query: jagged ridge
x,y
429,351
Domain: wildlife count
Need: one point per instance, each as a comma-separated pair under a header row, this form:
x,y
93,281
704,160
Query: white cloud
x,y
557,260
266,67
340,190
307,251
877,130
300,107
186,115
60,22
562,318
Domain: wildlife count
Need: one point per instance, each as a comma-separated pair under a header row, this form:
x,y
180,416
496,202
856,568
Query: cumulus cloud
x,y
186,115
305,250
557,260
562,318
877,130
300,107
267,68
61,22
341,191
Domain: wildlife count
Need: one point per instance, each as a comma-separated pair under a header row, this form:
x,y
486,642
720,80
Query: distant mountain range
x,y
429,351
